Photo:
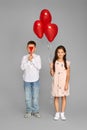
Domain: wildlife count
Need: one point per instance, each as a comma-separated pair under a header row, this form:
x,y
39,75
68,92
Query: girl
x,y
60,70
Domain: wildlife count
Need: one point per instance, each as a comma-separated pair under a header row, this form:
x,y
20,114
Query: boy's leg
x,y
35,94
28,97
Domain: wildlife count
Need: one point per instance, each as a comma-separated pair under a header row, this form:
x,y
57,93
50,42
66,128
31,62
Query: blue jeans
x,y
32,96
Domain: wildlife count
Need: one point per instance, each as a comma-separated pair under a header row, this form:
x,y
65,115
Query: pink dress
x,y
59,79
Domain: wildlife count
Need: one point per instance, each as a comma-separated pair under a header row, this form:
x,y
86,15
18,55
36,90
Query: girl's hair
x,y
56,56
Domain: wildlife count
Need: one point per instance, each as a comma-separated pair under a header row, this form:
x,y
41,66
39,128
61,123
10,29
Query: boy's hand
x,y
30,57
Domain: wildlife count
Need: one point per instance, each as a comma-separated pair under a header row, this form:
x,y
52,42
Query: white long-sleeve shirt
x,y
31,68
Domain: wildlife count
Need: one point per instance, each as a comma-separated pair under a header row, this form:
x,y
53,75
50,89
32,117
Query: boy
x,y
31,65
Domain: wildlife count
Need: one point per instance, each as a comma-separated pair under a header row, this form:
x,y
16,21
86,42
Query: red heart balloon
x,y
38,28
51,31
45,16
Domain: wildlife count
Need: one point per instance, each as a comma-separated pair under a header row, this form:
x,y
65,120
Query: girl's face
x,y
31,48
60,53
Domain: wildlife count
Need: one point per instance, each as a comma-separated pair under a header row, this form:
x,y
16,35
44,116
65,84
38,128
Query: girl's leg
x,y
63,103
63,108
56,105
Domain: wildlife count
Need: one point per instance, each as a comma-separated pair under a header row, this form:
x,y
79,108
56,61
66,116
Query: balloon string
x,y
50,60
50,53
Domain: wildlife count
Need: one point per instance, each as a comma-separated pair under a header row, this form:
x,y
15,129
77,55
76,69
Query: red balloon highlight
x,y
51,31
38,28
45,16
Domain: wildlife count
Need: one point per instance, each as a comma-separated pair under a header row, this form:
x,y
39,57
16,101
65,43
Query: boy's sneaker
x,y
56,117
36,114
63,117
27,115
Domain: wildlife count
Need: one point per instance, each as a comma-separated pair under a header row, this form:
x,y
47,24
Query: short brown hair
x,y
31,42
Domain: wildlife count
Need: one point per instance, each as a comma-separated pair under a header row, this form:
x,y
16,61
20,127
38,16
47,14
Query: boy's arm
x,y
36,62
24,63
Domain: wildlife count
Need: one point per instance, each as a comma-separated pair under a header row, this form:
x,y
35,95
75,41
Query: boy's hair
x,y
31,42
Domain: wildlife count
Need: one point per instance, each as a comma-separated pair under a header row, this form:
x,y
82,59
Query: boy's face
x,y
31,48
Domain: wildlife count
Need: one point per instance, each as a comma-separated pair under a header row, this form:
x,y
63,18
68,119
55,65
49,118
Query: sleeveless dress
x,y
59,79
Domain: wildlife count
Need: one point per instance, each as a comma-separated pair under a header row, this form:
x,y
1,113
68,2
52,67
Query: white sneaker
x,y
36,115
63,117
27,115
56,117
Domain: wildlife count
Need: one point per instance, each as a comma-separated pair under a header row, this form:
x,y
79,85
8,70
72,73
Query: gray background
x,y
16,23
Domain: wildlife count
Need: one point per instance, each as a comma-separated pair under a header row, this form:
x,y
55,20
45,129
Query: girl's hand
x,y
51,69
51,65
51,72
66,87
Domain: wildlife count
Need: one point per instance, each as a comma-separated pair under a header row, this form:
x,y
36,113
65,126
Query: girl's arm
x,y
67,78
51,69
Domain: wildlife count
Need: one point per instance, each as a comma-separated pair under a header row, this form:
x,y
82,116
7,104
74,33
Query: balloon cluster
x,y
44,26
